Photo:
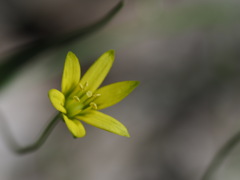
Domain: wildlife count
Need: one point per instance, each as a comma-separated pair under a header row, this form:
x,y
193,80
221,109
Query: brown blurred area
x,y
185,54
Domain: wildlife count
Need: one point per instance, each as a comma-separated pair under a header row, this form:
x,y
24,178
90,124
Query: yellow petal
x,y
98,71
75,127
57,99
114,93
105,122
71,73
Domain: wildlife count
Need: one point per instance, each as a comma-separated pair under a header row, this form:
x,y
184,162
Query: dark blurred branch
x,y
10,66
90,29
221,155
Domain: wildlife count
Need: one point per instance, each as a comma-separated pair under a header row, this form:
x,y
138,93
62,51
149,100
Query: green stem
x,y
34,146
221,155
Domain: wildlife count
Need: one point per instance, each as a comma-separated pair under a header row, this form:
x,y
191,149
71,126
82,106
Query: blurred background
x,y
186,55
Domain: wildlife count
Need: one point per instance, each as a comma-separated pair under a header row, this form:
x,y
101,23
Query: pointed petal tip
x,y
137,83
124,133
134,84
71,54
127,135
111,53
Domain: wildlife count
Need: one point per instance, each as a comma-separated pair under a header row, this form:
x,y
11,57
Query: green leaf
x,y
103,121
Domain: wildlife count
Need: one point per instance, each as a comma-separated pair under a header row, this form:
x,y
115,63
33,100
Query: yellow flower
x,y
81,99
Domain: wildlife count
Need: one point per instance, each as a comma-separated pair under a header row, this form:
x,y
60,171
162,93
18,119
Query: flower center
x,y
81,99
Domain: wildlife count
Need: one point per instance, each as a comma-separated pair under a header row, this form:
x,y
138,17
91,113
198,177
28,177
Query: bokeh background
x,y
186,55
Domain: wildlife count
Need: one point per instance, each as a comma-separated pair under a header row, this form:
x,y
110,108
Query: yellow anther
x,y
86,84
76,98
81,86
96,95
93,105
89,94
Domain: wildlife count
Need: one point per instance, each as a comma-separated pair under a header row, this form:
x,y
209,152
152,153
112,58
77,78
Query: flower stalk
x,y
42,138
16,148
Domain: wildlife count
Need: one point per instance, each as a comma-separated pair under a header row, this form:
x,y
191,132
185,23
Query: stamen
x,y
76,98
89,94
96,95
86,84
81,86
93,105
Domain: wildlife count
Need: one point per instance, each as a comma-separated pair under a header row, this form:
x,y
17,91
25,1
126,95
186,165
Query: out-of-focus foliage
x,y
43,43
